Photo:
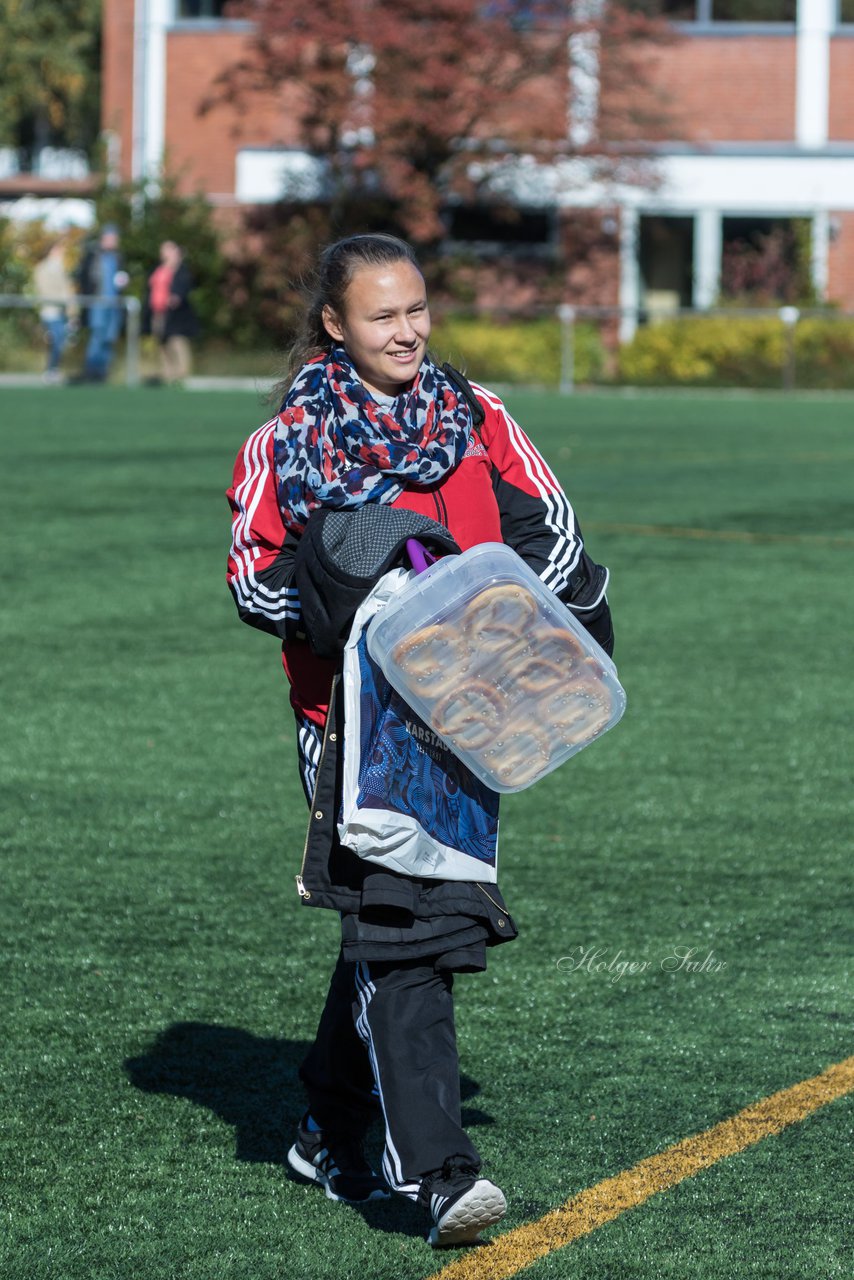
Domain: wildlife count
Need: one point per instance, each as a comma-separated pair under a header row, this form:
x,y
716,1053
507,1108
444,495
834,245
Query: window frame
x,y
843,26
705,23
206,22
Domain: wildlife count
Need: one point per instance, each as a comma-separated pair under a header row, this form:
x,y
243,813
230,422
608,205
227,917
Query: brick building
x,y
760,95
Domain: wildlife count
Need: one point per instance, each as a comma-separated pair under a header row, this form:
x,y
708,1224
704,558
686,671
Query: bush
x,y
740,351
824,352
521,351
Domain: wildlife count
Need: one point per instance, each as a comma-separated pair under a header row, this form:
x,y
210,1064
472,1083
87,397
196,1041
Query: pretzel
x,y
499,616
433,657
536,674
555,685
558,645
575,714
524,754
470,716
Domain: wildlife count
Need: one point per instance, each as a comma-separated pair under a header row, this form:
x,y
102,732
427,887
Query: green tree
x,y
50,73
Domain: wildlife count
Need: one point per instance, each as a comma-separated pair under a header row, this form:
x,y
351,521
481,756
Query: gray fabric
x,y
340,556
359,541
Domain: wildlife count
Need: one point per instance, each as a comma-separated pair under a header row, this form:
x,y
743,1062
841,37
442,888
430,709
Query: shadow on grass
x,y
251,1083
248,1081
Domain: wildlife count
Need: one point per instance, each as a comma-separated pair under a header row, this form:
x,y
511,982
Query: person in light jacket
x,y
59,313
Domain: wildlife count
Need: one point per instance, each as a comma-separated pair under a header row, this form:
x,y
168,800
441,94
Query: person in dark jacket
x,y
101,274
169,314
368,417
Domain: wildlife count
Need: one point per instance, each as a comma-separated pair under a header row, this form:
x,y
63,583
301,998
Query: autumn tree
x,y
49,73
424,102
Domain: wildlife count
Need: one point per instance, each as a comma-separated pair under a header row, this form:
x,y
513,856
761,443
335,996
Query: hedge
x,y
517,351
741,351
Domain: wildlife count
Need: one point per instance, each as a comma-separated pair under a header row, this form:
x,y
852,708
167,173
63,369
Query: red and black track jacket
x,y
501,491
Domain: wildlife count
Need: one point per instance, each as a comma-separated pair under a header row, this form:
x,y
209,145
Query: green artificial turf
x,y
161,980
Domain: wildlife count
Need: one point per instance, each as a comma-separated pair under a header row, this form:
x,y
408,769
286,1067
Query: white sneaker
x,y
461,1206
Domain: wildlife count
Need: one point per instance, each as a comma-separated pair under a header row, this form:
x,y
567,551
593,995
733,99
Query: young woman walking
x,y
368,417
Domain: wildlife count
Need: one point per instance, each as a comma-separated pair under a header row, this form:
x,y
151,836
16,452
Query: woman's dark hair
x,y
326,287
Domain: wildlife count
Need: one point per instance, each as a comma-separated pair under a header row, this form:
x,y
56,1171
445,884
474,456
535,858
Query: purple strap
x,y
420,558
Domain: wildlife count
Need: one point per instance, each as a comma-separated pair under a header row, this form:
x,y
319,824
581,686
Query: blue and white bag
x,y
408,803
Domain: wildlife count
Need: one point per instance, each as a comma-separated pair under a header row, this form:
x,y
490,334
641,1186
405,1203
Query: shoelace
x,y
454,1177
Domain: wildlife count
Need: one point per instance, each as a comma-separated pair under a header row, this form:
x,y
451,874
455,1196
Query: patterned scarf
x,y
337,447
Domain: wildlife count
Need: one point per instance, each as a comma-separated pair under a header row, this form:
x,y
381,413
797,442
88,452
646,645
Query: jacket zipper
x,y
503,913
491,899
327,737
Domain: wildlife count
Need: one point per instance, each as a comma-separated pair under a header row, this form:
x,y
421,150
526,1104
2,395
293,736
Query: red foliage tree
x,y
413,103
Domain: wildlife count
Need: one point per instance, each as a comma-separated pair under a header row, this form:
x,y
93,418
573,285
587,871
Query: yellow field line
x,y
718,535
508,1254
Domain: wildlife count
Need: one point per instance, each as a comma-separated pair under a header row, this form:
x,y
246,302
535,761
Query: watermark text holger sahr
x,y
616,965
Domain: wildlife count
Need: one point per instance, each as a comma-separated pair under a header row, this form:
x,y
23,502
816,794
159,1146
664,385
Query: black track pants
x,y
387,1035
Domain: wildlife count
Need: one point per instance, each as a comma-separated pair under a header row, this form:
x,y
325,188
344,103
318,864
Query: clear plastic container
x,y
496,666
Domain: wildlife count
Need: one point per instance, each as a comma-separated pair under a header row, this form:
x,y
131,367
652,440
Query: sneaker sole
x,y
481,1207
310,1171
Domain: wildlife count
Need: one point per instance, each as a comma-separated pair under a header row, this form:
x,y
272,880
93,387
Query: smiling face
x,y
385,325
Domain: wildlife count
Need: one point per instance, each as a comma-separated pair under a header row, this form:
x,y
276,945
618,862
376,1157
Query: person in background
x,y
59,311
169,314
101,273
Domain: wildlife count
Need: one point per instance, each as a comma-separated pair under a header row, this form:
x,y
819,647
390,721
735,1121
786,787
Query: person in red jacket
x,y
369,417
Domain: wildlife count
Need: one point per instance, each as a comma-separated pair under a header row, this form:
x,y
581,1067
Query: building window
x,y
846,11
766,261
705,11
187,10
666,263
490,229
675,10
754,10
